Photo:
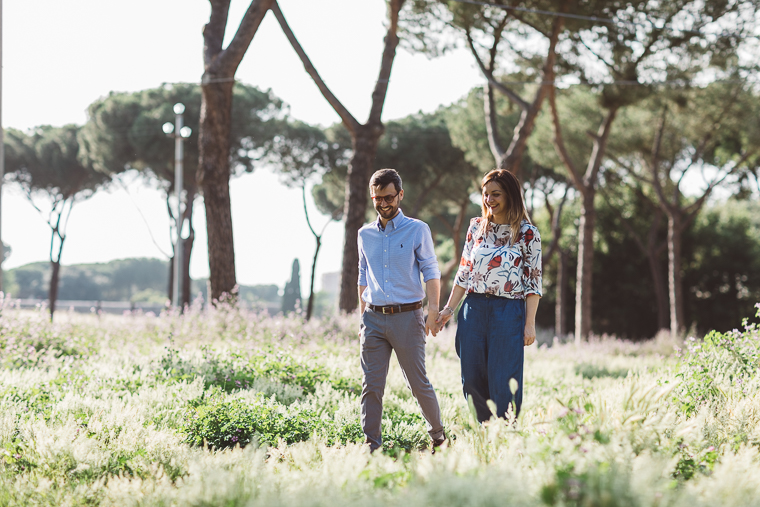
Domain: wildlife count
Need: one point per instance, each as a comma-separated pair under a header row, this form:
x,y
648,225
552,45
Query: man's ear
x,y
400,195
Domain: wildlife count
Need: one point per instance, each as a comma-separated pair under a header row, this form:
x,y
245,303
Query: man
x,y
393,252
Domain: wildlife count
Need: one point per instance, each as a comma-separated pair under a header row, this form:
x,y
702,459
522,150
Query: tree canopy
x,y
47,162
124,130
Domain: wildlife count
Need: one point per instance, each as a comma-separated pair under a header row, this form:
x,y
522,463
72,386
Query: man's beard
x,y
386,214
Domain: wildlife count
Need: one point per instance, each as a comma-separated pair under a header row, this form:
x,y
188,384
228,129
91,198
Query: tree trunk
x,y
310,307
54,278
357,188
512,159
660,290
585,271
364,139
674,273
187,248
447,274
587,187
560,305
55,261
170,291
652,250
214,179
492,125
219,67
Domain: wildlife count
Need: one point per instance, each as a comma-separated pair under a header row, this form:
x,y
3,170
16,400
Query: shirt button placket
x,y
386,261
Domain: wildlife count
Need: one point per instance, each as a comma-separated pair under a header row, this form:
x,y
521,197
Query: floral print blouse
x,y
489,266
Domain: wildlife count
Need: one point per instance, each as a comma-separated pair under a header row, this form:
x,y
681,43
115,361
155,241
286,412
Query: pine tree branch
x,y
348,120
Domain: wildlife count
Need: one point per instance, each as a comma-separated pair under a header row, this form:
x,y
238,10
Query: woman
x,y
500,272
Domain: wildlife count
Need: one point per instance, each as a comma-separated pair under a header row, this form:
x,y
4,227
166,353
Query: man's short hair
x,y
385,177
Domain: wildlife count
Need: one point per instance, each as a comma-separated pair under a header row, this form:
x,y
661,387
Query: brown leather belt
x,y
391,309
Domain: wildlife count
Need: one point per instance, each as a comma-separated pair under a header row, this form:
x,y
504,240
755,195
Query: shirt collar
x,y
394,222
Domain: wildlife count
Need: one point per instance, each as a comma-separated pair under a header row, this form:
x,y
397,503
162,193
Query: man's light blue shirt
x,y
392,259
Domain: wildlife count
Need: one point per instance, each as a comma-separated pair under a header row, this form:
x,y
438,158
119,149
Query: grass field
x,y
228,408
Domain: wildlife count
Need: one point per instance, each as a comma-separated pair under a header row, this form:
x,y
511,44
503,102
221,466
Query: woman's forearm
x,y
531,305
457,293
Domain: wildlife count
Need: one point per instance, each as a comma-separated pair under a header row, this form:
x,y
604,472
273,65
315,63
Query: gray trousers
x,y
405,333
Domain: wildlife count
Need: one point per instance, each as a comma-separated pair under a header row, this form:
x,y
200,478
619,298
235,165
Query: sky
x,y
61,55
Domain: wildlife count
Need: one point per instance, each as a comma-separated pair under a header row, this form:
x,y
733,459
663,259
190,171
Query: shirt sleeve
x,y
465,266
426,257
532,274
362,282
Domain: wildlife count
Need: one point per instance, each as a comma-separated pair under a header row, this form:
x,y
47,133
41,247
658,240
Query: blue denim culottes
x,y
490,345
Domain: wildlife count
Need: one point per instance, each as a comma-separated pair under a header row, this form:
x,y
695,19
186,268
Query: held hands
x,y
446,313
432,321
530,334
443,317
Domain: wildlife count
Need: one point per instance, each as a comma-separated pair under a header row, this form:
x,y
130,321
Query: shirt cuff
x,y
431,273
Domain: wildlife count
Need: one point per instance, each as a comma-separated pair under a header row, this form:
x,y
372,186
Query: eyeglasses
x,y
387,198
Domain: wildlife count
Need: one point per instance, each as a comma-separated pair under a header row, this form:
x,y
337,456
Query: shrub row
x,y
719,363
219,422
235,371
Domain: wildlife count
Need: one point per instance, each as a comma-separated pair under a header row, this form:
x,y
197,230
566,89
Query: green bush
x,y
719,362
601,485
219,422
234,371
590,371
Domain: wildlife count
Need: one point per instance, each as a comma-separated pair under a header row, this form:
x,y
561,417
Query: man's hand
x,y
443,317
431,324
433,290
362,305
530,334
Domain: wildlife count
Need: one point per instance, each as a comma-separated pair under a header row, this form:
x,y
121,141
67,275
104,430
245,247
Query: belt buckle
x,y
389,308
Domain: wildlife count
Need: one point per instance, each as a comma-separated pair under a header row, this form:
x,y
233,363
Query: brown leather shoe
x,y
440,443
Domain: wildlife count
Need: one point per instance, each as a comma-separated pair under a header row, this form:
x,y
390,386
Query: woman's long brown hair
x,y
516,211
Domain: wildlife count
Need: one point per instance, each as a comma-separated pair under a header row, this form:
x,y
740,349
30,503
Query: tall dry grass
x,y
101,411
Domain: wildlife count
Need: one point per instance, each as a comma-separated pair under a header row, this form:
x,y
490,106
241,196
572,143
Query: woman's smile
x,y
493,198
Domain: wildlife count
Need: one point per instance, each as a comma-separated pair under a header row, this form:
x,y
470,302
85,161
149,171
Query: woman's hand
x,y
530,334
443,317
531,305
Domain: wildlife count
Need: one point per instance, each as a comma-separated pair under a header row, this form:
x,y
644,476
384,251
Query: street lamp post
x,y
179,133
